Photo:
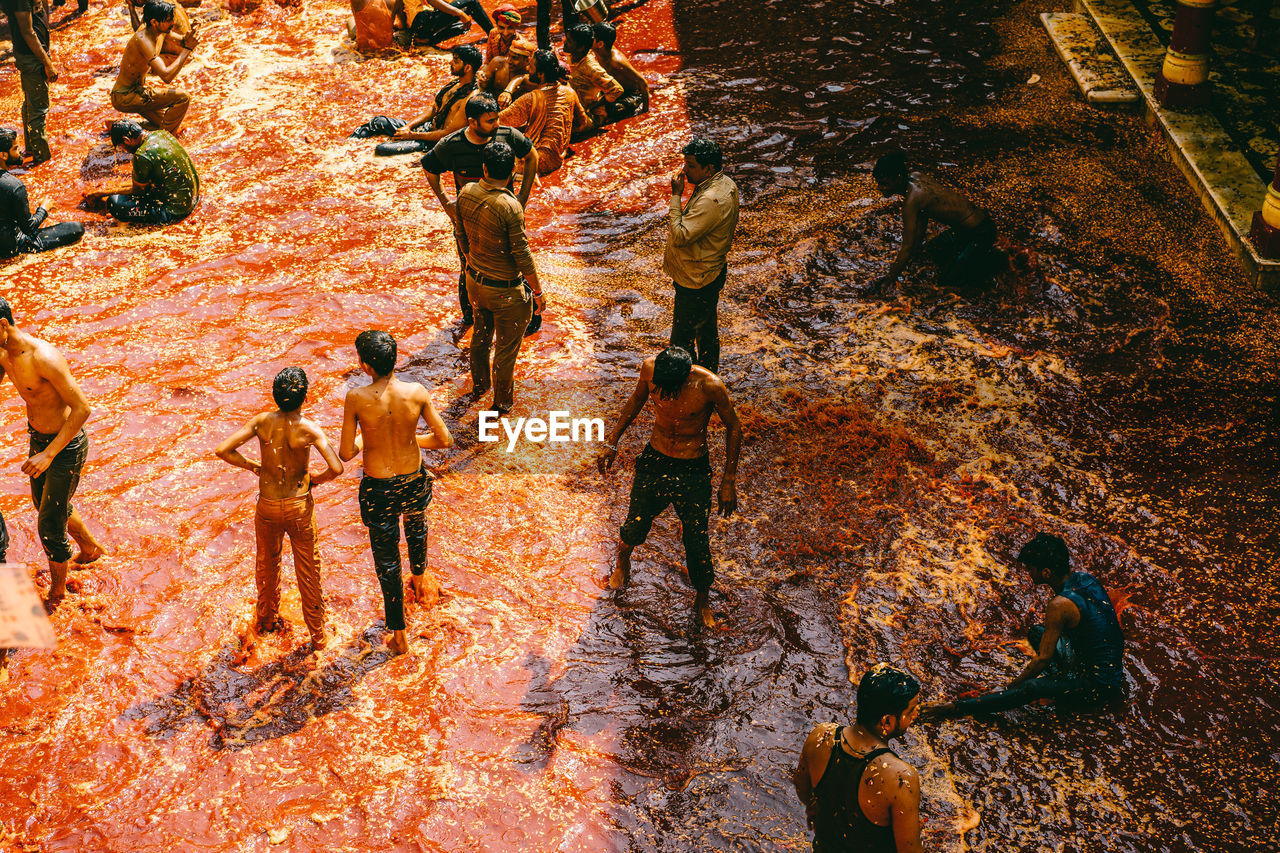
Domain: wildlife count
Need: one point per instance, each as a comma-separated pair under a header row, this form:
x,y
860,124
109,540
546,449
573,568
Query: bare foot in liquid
x,y
398,643
621,573
702,605
424,589
89,555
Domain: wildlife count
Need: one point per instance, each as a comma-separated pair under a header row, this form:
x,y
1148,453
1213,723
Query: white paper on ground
x,y
23,622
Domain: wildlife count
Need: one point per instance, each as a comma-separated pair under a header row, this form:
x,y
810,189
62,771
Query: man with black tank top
x,y
1079,661
859,796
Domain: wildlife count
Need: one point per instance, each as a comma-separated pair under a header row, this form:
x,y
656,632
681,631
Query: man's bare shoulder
x,y
47,357
899,774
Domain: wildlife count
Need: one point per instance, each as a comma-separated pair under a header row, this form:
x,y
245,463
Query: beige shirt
x,y
701,233
492,235
592,83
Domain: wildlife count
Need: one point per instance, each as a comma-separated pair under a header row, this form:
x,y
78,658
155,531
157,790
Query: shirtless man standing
x,y
382,420
130,94
965,252
675,467
285,505
858,794
56,414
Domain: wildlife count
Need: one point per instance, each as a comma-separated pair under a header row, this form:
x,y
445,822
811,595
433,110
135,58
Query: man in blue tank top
x,y
1079,648
859,796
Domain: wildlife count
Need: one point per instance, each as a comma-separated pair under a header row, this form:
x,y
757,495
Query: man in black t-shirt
x,y
461,153
20,229
29,32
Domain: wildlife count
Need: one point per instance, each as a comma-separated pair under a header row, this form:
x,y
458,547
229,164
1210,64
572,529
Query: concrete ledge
x,y
1227,184
1089,60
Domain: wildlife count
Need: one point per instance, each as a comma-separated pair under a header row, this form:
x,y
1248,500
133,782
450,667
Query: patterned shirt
x,y
165,167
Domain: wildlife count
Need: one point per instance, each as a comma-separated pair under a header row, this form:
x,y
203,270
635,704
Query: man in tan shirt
x,y
596,88
700,234
549,114
502,281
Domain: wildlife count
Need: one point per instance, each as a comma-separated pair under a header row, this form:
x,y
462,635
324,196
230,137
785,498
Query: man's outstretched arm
x,y
350,444
732,447
334,469
54,370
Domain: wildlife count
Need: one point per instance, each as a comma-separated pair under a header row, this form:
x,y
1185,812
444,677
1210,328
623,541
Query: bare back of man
x,y
56,413
381,420
620,68
285,441
929,198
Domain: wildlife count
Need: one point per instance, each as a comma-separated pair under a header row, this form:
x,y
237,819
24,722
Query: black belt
x,y
494,282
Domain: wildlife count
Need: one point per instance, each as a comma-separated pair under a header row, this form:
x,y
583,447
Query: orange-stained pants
x,y
296,517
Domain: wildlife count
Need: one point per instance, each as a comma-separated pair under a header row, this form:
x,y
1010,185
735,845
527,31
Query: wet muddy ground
x,y
898,451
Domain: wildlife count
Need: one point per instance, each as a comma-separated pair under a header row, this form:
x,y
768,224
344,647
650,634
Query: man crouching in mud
x,y
381,419
56,414
965,252
675,466
1079,661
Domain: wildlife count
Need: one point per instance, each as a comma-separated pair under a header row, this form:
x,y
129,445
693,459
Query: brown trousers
x,y
296,517
165,108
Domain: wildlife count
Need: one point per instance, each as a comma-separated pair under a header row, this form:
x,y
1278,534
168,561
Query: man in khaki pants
x,y
167,107
285,505
502,282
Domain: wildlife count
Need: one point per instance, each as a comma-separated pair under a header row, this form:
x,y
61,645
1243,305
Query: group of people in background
x,y
513,108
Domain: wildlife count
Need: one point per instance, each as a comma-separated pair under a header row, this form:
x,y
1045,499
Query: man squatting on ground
x,y
698,240
858,795
446,113
165,186
29,35
130,94
597,89
675,466
635,91
285,504
434,21
502,280
549,115
1079,660
965,253
461,152
20,229
56,414
381,419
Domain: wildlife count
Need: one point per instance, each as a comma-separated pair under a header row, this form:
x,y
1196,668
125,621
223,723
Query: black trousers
x,y
544,20
135,208
694,324
49,237
662,481
1063,682
433,26
384,501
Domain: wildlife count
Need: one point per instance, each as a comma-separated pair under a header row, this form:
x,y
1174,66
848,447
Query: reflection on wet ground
x,y
897,451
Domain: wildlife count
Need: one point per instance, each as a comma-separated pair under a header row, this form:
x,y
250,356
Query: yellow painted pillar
x,y
1183,80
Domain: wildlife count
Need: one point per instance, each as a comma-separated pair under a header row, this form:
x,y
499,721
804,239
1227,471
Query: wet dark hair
x,y
890,168
290,388
479,104
582,35
378,350
8,136
157,10
469,54
499,160
705,151
884,690
6,311
548,66
1048,552
605,32
670,369
122,129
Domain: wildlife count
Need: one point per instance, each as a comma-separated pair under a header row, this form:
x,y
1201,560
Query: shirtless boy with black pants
x,y
675,466
285,505
381,419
